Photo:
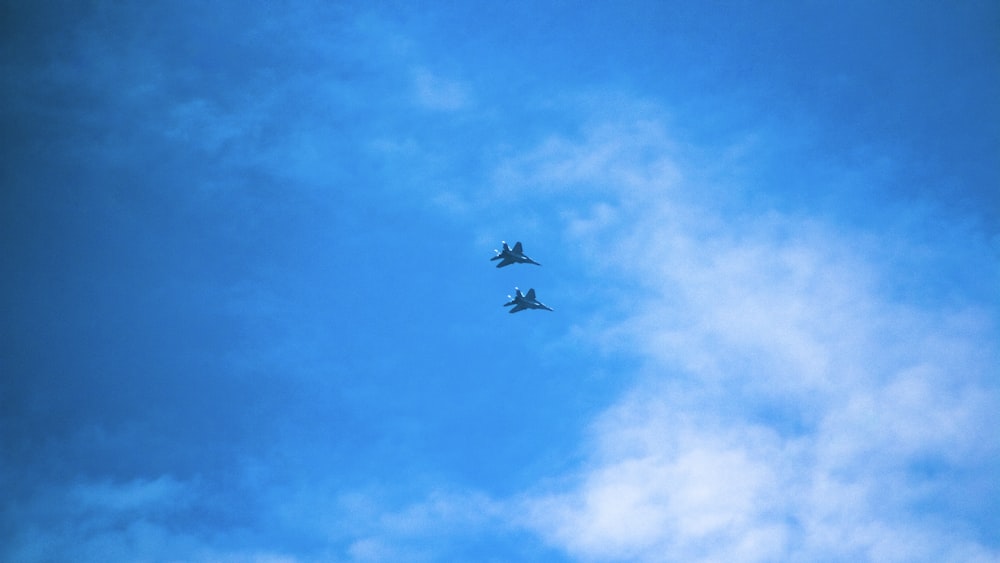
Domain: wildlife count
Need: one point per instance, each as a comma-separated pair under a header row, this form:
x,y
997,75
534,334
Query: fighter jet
x,y
509,256
524,301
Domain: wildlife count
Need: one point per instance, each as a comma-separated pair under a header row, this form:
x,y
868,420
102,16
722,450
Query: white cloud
x,y
788,403
668,488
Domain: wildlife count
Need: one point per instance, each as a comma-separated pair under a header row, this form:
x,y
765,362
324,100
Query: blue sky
x,y
249,312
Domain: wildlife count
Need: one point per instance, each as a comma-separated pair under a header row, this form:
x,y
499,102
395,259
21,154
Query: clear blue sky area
x,y
249,312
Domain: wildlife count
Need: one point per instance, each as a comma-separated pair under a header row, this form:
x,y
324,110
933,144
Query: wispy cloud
x,y
134,496
437,93
422,531
101,521
618,159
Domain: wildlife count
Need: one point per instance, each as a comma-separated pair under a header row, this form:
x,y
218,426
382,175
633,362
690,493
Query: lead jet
x,y
509,256
524,301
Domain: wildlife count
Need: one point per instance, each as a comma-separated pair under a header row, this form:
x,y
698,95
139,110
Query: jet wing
x,y
518,307
504,262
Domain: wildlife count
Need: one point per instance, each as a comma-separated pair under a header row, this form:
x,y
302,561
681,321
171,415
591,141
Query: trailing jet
x,y
524,301
509,256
